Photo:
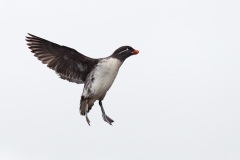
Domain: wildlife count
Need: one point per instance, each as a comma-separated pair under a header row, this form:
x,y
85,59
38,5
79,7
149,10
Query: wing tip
x,y
30,37
29,34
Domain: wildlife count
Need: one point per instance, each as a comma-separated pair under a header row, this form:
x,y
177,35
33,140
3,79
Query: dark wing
x,y
67,62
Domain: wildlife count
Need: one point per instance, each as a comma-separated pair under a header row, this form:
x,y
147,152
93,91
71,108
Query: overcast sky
x,y
179,98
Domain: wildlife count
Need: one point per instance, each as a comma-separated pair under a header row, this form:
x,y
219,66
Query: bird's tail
x,y
84,106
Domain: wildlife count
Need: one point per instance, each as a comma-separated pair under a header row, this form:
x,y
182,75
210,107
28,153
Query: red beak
x,y
135,52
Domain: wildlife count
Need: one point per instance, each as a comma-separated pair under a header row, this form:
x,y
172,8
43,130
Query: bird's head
x,y
124,52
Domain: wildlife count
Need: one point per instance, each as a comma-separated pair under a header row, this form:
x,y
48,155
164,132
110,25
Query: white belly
x,y
103,76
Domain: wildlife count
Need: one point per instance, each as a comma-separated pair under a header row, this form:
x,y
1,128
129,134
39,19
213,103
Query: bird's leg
x,y
86,110
105,117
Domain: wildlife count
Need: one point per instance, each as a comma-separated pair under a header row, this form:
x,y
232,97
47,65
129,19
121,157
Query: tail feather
x,y
84,106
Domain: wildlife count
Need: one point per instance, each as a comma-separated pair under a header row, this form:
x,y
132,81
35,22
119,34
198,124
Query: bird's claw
x,y
107,119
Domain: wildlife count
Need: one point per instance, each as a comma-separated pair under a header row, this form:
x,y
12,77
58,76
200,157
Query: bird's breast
x,y
102,77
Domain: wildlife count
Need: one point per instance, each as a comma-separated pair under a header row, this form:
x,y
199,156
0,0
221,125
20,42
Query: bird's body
x,y
100,79
97,75
98,83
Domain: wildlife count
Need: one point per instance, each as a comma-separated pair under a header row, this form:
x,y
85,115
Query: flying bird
x,y
97,75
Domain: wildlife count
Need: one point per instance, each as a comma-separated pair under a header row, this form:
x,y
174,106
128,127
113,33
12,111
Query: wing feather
x,y
68,63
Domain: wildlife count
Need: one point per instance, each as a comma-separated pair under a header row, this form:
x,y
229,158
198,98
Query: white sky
x,y
177,99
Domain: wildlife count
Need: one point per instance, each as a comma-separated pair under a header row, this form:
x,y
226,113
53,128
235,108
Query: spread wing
x,y
67,62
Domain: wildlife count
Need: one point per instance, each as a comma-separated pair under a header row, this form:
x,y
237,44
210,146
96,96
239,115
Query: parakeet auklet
x,y
96,74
